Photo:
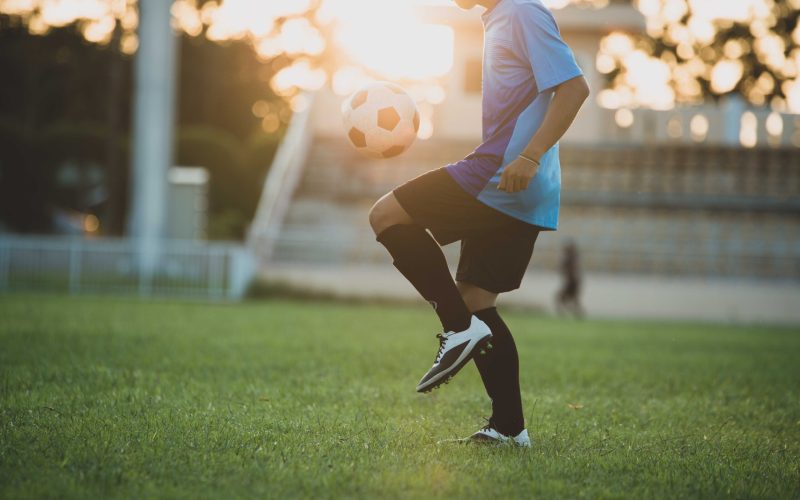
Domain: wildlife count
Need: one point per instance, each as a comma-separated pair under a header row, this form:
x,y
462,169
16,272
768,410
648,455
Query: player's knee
x,y
380,216
387,212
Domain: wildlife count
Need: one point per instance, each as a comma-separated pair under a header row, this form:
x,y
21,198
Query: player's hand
x,y
517,175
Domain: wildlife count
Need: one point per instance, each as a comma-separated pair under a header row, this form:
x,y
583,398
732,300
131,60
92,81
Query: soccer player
x,y
495,201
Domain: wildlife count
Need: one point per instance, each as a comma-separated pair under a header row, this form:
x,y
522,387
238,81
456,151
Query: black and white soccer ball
x,y
381,120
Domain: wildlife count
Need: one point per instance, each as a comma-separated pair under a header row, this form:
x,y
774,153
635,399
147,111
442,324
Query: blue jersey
x,y
524,57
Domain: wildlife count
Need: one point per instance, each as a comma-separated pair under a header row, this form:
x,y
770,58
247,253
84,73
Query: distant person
x,y
495,201
568,299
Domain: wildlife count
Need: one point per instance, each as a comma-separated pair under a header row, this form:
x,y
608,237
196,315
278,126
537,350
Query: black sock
x,y
418,257
499,369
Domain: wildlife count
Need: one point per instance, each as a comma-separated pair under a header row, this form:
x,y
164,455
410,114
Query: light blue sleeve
x,y
539,40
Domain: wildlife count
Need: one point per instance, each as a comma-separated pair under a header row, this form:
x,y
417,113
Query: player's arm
x,y
567,101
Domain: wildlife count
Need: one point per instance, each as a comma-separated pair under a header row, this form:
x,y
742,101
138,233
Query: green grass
x,y
121,398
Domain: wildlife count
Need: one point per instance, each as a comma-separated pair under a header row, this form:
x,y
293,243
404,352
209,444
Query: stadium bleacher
x,y
648,209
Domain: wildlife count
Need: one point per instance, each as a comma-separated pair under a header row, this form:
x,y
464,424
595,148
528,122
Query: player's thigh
x,y
438,203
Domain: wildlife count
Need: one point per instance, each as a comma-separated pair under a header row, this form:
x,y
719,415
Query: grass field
x,y
118,398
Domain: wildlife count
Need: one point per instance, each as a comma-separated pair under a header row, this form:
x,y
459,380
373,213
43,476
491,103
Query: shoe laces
x,y
489,425
442,341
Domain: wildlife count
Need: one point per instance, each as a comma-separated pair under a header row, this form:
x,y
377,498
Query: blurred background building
x,y
681,177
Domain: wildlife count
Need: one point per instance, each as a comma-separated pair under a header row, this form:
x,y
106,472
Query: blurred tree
x,y
221,85
59,81
46,81
707,49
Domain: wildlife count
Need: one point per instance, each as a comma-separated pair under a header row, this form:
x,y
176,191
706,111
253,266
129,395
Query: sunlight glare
x,y
650,80
297,36
774,124
624,118
255,18
387,38
699,127
726,75
300,75
792,91
348,79
63,12
748,135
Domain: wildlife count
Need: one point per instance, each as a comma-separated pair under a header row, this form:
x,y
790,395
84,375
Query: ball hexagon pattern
x,y
388,118
381,120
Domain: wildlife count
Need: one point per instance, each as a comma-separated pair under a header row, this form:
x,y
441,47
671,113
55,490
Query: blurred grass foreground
x,y
120,398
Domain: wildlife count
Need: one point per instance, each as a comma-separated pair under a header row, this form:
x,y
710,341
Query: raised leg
x,y
420,259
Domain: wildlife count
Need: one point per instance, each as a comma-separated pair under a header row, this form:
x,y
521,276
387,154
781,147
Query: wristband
x,y
536,162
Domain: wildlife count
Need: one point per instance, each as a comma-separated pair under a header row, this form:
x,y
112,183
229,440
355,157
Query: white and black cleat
x,y
455,350
490,435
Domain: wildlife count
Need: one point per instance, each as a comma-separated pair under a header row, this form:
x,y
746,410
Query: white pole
x,y
153,123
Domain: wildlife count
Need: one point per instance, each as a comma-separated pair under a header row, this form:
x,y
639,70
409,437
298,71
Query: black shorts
x,y
495,248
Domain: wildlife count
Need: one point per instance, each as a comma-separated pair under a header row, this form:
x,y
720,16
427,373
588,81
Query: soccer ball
x,y
381,120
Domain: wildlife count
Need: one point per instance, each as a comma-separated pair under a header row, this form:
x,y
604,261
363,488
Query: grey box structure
x,y
187,203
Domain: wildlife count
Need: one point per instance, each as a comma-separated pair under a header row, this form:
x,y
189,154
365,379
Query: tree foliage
x,y
54,110
696,50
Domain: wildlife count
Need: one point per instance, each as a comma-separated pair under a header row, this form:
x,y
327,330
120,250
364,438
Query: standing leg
x,y
499,366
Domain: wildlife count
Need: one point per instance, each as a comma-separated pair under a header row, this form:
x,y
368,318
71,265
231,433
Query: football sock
x,y
420,259
499,370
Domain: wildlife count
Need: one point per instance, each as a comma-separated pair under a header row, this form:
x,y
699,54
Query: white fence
x,y
75,265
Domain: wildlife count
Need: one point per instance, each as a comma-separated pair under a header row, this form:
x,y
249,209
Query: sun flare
x,y
386,38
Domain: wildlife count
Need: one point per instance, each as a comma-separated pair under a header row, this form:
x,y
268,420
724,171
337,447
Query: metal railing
x,y
75,265
280,184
